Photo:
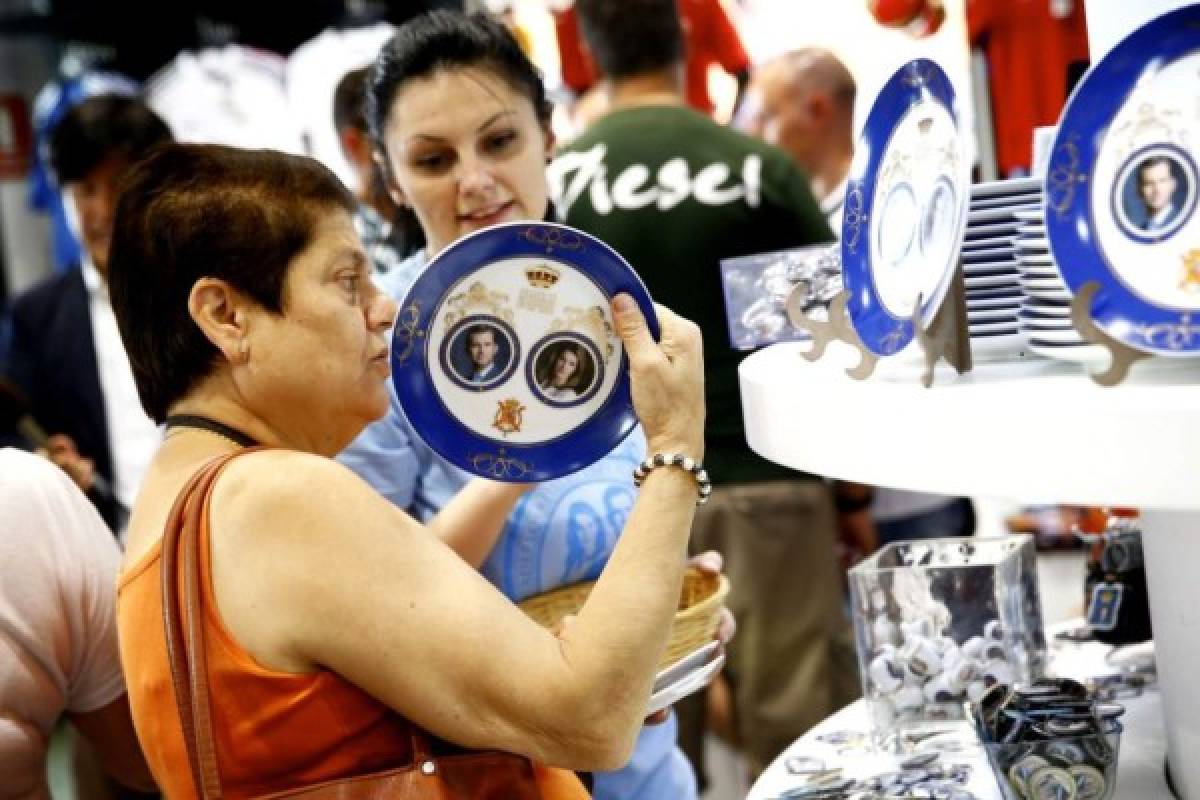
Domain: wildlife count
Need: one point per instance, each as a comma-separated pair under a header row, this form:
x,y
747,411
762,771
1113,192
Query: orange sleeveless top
x,y
273,730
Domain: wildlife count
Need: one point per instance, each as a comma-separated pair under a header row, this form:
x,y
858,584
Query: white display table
x,y
1034,432
1139,767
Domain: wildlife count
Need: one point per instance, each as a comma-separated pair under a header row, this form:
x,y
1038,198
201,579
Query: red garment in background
x,y
709,38
1028,50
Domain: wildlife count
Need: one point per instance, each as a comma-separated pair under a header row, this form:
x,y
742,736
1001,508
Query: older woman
x,y
461,123
333,621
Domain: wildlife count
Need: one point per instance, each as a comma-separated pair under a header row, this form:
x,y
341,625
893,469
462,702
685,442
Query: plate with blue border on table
x,y
505,358
1122,184
906,206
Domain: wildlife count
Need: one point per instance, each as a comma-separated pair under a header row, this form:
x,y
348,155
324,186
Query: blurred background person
x,y
58,631
66,358
675,192
710,40
460,118
259,339
389,232
803,103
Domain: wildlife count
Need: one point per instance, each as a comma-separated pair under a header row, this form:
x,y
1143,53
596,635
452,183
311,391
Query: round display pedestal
x,y
1035,432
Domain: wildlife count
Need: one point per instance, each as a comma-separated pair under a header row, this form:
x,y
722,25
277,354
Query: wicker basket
x,y
700,604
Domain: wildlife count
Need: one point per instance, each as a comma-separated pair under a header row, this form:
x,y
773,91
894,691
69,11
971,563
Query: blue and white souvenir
x,y
906,206
504,355
1122,185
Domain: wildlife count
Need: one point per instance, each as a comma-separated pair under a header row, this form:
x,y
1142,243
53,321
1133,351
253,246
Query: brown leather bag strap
x,y
185,638
189,677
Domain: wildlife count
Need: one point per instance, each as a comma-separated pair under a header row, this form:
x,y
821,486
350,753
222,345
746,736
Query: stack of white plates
x,y
990,264
1045,314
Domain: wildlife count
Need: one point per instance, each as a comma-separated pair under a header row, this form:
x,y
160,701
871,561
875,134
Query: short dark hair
x,y
349,110
100,127
478,328
632,37
440,40
194,211
1153,161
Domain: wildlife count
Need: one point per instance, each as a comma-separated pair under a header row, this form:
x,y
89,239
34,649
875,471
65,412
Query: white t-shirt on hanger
x,y
231,95
314,70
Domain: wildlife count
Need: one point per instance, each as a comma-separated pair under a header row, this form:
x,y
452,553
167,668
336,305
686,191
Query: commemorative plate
x,y
504,355
984,316
1122,186
1008,305
976,232
1010,201
689,674
992,281
971,245
905,208
992,328
1013,186
1035,283
1029,320
994,216
989,294
987,254
1087,354
1061,337
1038,261
997,347
1050,306
984,268
1046,274
1049,295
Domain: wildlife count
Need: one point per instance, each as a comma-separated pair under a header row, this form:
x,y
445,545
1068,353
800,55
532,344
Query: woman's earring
x,y
243,353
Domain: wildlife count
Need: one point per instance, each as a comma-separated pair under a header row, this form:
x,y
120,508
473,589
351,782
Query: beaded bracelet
x,y
703,485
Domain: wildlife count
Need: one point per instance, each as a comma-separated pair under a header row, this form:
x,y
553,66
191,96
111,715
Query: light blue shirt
x,y
560,532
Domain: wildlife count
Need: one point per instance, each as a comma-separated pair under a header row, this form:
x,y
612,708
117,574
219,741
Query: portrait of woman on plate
x,y
564,371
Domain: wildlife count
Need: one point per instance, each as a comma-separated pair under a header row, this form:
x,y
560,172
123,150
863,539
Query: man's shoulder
x,y
48,291
673,130
39,306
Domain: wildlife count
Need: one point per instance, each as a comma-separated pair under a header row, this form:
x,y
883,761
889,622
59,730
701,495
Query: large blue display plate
x,y
1122,184
906,206
504,355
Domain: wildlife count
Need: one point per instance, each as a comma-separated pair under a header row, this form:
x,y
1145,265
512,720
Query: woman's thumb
x,y
631,327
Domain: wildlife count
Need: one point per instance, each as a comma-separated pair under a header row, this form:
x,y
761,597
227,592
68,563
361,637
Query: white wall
x,y
871,52
1110,21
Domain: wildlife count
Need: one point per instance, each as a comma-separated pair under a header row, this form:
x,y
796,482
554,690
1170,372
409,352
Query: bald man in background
x,y
803,103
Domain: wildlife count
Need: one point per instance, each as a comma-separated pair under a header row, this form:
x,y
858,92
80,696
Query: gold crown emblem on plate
x,y
592,323
543,276
1191,270
478,299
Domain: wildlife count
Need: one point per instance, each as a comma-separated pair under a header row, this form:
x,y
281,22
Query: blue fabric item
x,y
956,518
560,532
5,340
52,102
